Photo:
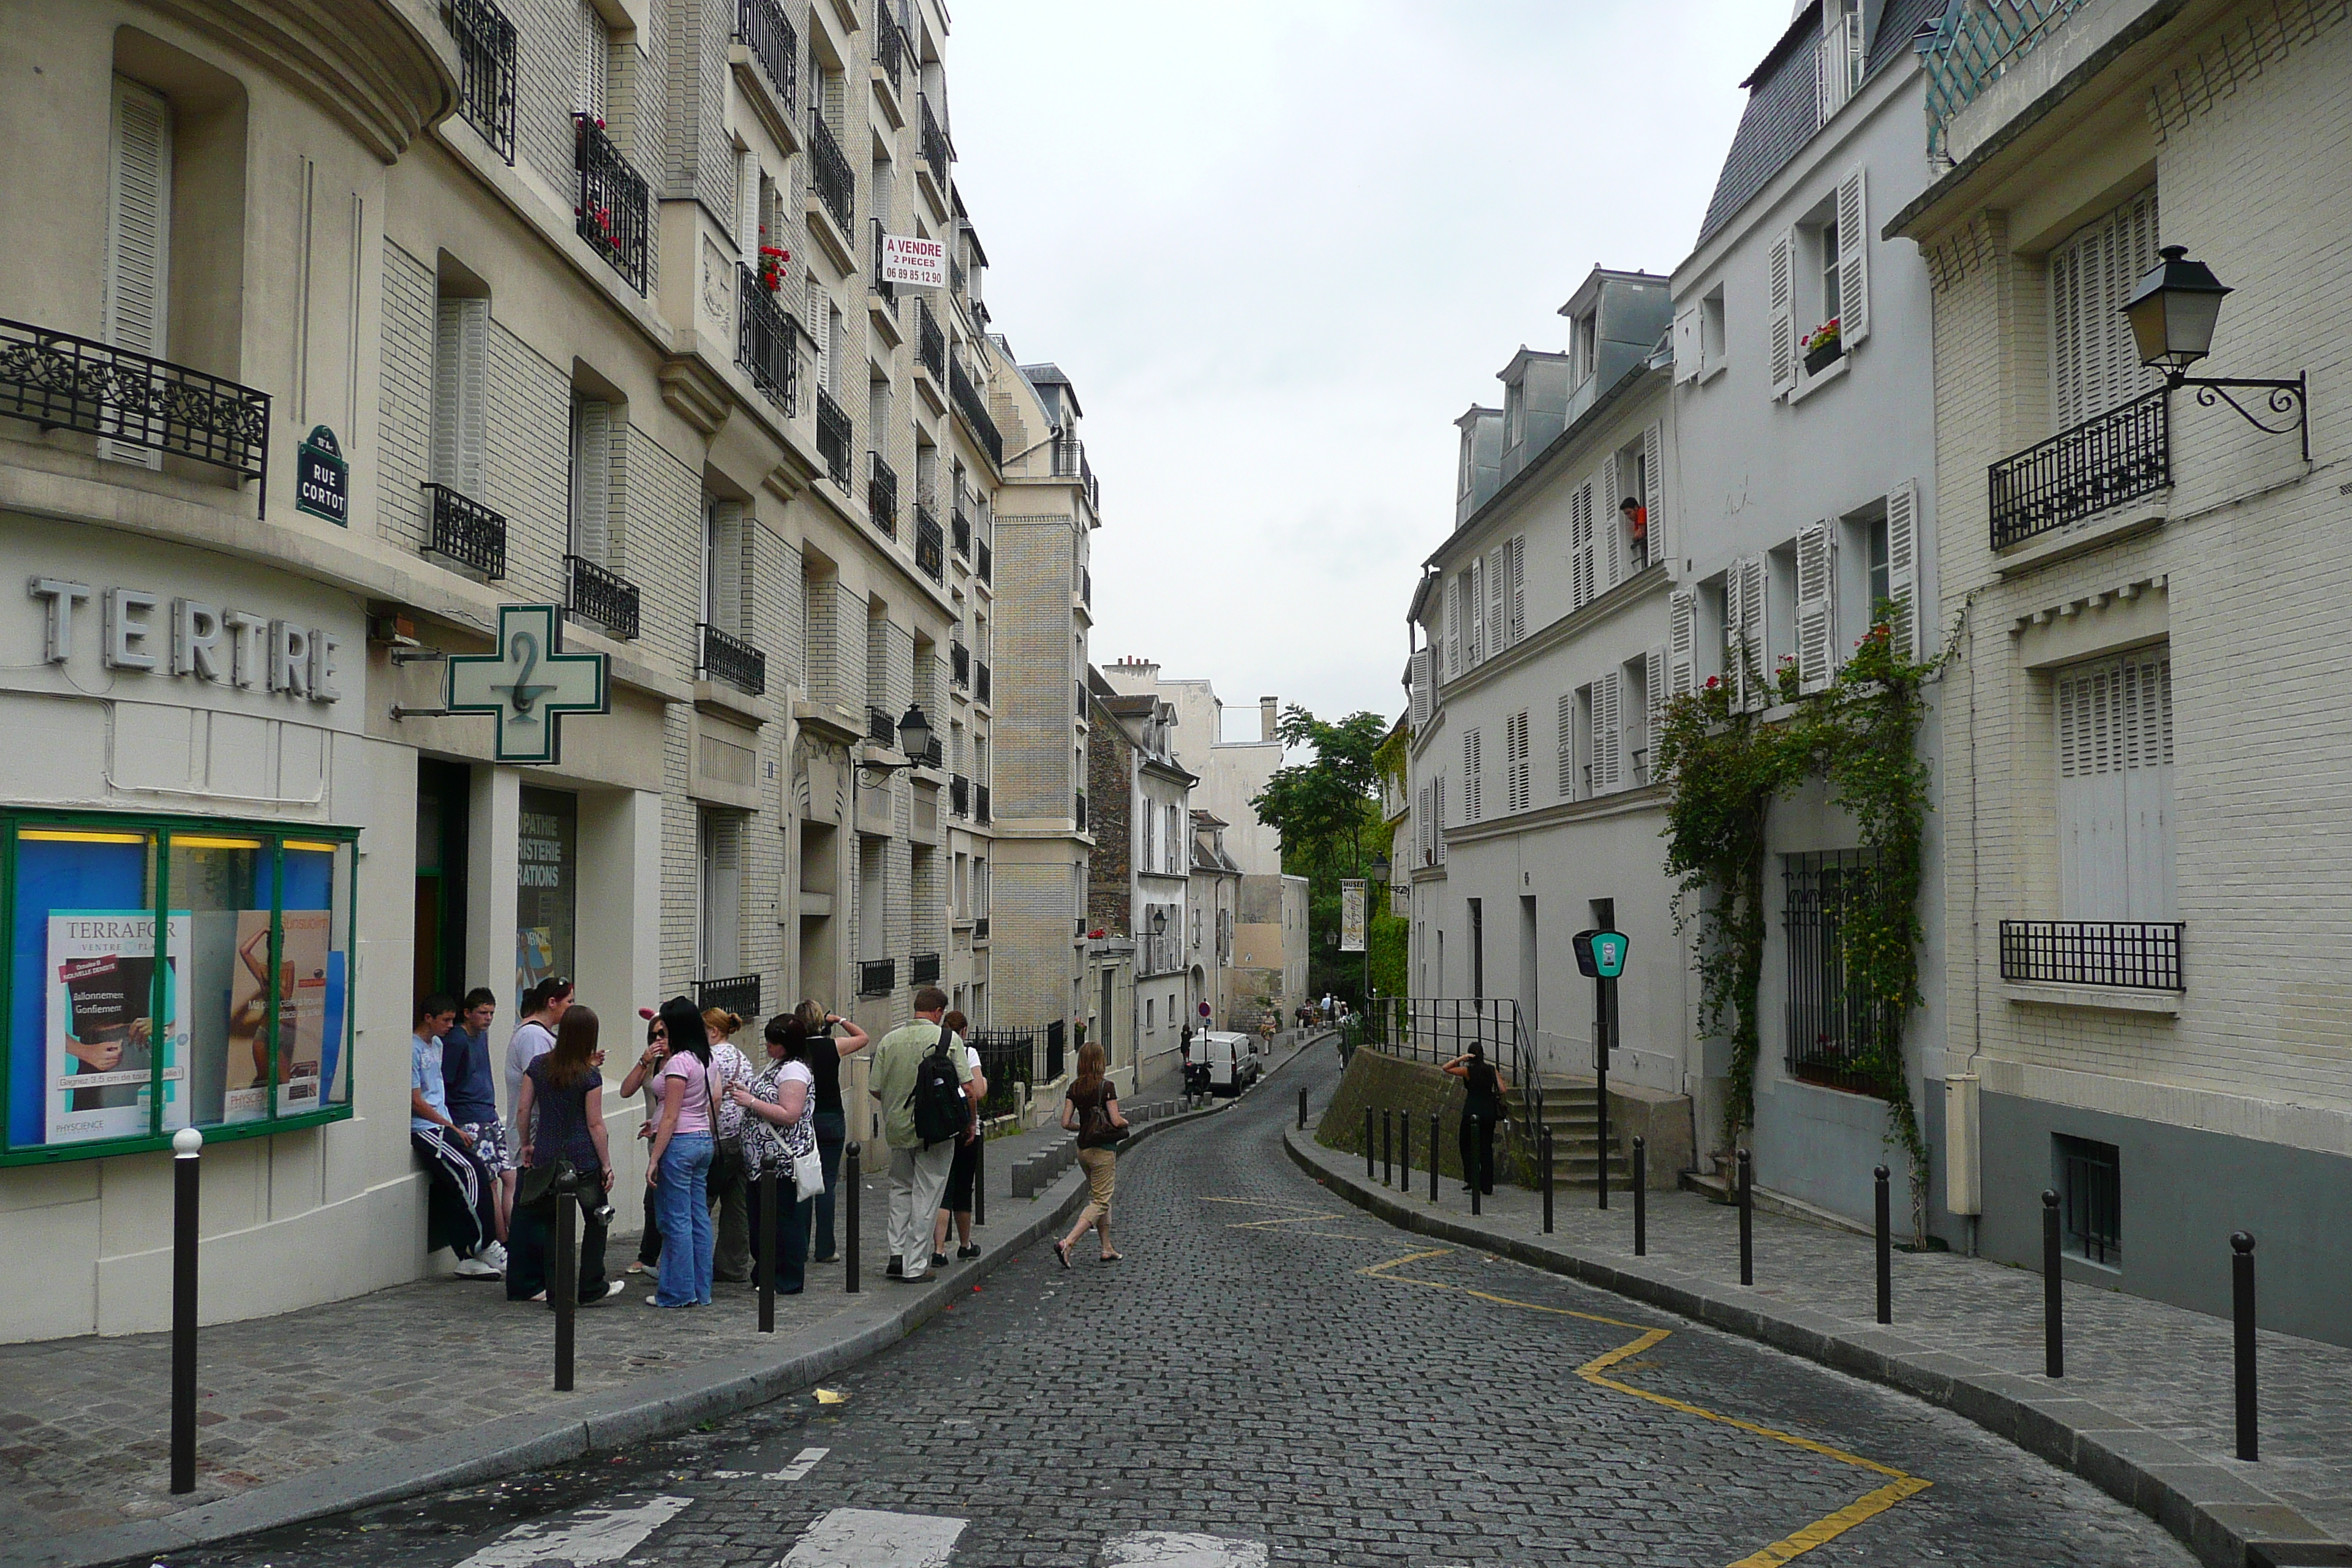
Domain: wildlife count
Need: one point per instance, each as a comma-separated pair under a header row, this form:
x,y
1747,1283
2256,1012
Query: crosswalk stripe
x,y
1174,1549
867,1538
589,1536
803,1463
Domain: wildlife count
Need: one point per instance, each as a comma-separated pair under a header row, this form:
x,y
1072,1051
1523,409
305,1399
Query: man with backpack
x,y
920,1084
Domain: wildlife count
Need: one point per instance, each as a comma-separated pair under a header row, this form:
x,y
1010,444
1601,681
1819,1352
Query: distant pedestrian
x,y
1482,1108
680,1165
918,1165
543,1006
779,1113
955,1204
472,1084
561,1120
645,1075
1091,1110
832,1116
467,1191
731,1261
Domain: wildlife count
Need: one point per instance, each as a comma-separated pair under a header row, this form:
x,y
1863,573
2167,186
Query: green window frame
x,y
174,996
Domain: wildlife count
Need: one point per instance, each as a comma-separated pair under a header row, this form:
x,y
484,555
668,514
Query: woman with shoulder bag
x,y
560,1118
825,1054
1091,1111
780,1131
680,1165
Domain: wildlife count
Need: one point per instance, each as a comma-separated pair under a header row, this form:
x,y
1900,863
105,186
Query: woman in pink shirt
x,y
680,1166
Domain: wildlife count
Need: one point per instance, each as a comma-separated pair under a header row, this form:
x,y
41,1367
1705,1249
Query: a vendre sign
x,y
911,260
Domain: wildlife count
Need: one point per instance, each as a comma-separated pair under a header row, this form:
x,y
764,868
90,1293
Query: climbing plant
x,y
1724,768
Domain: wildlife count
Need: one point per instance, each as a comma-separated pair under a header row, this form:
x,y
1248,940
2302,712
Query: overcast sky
x,y
1280,245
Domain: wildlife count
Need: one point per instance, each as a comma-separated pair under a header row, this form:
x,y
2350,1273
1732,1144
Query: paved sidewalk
x,y
440,1382
2146,1410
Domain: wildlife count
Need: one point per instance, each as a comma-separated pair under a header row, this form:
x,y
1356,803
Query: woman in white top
x,y
780,1125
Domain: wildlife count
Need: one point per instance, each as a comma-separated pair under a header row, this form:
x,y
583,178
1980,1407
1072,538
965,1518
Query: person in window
x,y
1482,1108
1637,528
466,1187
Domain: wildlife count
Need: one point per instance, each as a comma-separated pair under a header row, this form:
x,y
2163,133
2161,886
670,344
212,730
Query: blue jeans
x,y
832,1134
688,1240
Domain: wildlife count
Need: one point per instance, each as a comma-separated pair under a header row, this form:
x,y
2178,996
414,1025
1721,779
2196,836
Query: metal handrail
x,y
2142,955
937,152
1438,1030
2111,458
930,342
973,411
889,43
877,976
739,994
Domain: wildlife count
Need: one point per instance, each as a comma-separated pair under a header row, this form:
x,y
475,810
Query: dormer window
x,y
1515,416
1583,344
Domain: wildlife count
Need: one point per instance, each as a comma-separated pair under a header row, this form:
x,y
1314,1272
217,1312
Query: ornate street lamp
x,y
2173,312
914,733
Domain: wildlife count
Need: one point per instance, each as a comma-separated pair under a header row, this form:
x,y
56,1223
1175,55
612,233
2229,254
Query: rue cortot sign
x,y
528,684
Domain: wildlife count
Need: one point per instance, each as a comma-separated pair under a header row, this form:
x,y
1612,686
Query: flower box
x,y
1821,359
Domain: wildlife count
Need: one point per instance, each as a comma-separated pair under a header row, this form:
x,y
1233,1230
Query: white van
x,y
1234,1061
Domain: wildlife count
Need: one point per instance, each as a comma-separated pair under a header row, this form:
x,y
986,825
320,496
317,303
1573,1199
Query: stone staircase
x,y
1572,1112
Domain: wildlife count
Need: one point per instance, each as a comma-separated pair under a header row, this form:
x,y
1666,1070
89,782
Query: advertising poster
x,y
302,1015
104,1034
1351,915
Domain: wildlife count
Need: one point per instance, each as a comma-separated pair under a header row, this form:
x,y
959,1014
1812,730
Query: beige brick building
x,y
2146,748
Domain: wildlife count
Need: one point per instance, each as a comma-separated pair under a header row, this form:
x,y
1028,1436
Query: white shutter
x,y
1779,314
1816,607
1580,545
1682,642
461,393
1568,745
1755,626
1420,689
592,480
1470,776
1453,627
1608,731
1653,459
1687,344
1610,523
1441,819
1854,260
749,212
1474,592
2115,789
138,236
1499,600
2094,364
592,60
1903,565
820,330
1517,551
1654,694
1423,823
1514,757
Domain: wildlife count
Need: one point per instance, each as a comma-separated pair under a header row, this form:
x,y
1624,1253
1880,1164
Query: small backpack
x,y
938,1097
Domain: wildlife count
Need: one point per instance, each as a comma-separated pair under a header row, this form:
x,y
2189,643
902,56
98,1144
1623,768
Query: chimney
x,y
1265,717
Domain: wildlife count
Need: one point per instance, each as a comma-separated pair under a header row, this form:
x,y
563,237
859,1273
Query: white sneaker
x,y
495,1254
475,1268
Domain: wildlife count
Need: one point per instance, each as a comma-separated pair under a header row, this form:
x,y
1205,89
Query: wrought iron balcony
x,y
613,204
929,551
1087,588
932,755
959,664
829,173
960,794
1081,813
937,152
764,346
467,532
880,726
739,994
761,27
486,69
882,285
1069,457
973,409
980,811
980,680
60,382
731,659
2104,461
605,597
877,976
930,343
960,527
2141,954
987,563
833,438
955,278
979,930
923,969
889,43
882,494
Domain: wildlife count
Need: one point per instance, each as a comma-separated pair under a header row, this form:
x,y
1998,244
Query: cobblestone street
x,y
1271,1376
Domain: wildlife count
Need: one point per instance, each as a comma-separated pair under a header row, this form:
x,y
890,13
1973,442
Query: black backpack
x,y
938,1097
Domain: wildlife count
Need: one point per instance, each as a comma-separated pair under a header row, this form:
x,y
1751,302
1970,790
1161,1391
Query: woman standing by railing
x,y
1481,1109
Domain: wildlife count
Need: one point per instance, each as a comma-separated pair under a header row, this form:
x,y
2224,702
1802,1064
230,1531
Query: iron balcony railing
x,y
1975,42
486,71
973,409
980,928
981,813
829,172
937,152
882,494
1069,457
1079,711
467,532
960,794
1087,588
739,994
60,382
880,726
960,527
987,563
1079,813
980,682
959,664
1835,1024
923,969
613,204
607,598
955,278
930,343
2104,461
761,27
2145,954
765,345
882,285
833,437
889,43
930,553
932,755
731,659
1082,923
877,976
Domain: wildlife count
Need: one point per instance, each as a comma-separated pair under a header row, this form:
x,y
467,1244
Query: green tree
x,y
1327,811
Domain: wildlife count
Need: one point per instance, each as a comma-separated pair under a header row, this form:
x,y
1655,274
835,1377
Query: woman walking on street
x,y
646,1075
827,1053
1481,1109
560,1116
1092,1112
955,1203
681,1159
779,1127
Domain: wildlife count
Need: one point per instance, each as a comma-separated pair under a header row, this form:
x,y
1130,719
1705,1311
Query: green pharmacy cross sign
x,y
528,684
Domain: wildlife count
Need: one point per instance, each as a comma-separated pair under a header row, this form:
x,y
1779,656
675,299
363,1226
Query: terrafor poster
x,y
105,1031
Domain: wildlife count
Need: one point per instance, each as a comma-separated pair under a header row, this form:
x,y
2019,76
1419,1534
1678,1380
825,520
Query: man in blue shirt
x,y
457,1171
473,1088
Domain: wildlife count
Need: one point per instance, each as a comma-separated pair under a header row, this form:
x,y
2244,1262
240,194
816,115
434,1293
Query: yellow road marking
x,y
1286,1219
1262,1203
1869,1506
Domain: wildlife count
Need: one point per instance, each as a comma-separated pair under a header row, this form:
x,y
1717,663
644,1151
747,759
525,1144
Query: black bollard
x,y
186,1145
1886,1250
563,1289
763,1245
1480,1156
849,1219
1547,1179
2053,1303
1302,1108
1404,1151
1746,1218
2241,1268
1387,1150
980,1181
1641,1197
1369,1151
1435,1146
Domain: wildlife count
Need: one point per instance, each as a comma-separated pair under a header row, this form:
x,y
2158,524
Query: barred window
x,y
1832,1024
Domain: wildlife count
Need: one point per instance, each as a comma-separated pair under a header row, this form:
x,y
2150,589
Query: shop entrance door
x,y
444,802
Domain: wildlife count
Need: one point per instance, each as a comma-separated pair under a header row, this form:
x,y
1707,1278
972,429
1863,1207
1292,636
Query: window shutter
x,y
1419,823
1499,600
138,235
1653,489
1653,693
1471,792
1609,524
723,572
1608,731
1453,627
2095,363
1854,260
1440,820
593,61
1687,344
1518,550
461,393
591,481
1568,745
1514,746
1579,543
820,330
1816,607
1755,626
1903,565
1420,688
1780,315
750,210
1682,642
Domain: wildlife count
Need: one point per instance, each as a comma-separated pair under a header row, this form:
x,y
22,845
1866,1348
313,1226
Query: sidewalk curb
x,y
2213,1509
606,1420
